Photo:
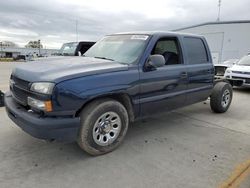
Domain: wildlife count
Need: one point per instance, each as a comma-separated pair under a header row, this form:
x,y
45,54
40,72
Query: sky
x,y
54,21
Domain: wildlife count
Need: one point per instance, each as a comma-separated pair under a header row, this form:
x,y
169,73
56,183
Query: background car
x,y
221,67
1,99
241,70
75,48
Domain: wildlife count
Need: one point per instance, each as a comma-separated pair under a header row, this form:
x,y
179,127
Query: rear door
x,y
164,88
200,69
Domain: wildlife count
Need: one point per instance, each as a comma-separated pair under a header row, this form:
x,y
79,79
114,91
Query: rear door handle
x,y
209,71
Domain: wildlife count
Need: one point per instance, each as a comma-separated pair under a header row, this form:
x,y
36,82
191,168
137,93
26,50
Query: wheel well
x,y
124,99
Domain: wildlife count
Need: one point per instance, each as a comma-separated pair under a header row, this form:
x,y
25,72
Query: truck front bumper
x,y
48,128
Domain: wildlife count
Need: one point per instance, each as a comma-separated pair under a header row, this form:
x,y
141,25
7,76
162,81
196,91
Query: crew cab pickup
x,y
75,48
123,77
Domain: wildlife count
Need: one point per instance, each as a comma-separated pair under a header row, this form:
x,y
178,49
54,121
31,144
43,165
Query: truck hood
x,y
56,69
242,68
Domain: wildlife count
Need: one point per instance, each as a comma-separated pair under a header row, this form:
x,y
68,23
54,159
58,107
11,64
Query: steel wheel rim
x,y
225,98
107,128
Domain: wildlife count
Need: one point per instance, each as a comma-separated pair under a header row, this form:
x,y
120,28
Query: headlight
x,y
228,71
42,87
11,82
41,105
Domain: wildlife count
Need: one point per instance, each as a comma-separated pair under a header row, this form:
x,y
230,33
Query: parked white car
x,y
241,70
220,68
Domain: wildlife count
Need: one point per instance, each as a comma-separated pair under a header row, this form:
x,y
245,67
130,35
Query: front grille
x,y
241,72
19,95
20,83
247,80
220,71
19,90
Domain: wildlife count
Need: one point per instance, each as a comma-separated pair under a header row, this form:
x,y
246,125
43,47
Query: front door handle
x,y
184,75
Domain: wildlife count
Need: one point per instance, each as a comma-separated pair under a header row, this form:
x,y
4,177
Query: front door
x,y
164,88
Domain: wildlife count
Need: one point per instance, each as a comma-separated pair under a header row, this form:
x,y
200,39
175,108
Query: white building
x,y
227,40
8,51
14,52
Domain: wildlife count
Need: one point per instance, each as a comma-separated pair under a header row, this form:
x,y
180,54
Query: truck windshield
x,y
120,48
245,61
68,48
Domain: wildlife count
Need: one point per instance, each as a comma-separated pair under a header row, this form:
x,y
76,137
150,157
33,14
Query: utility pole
x,y
219,5
1,44
39,47
76,30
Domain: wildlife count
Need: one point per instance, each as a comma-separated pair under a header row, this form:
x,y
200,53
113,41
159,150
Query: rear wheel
x,y
104,124
221,97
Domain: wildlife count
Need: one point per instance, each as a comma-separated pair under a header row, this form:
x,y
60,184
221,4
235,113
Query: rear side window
x,y
196,51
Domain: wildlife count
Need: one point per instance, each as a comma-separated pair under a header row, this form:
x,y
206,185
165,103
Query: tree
x,y
34,44
8,44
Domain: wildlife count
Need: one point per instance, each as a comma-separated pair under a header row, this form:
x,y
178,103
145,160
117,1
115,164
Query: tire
x,y
102,118
221,97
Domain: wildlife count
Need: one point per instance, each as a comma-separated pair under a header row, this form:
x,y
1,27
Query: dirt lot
x,y
191,147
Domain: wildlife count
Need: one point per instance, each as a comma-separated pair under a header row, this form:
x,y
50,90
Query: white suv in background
x,y
240,71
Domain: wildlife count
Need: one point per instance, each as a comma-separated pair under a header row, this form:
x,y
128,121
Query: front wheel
x,y
221,97
104,124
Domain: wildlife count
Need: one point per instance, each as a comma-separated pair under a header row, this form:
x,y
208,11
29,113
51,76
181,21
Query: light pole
x,y
1,44
76,30
39,47
219,5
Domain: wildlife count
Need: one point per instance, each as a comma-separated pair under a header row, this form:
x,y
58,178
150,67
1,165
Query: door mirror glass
x,y
156,61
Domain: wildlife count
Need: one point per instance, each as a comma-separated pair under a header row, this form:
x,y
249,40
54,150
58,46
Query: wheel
x,y
221,97
104,124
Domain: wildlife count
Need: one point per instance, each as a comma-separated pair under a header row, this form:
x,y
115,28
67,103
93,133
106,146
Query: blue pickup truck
x,y
124,77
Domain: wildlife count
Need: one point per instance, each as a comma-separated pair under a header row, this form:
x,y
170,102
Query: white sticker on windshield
x,y
139,37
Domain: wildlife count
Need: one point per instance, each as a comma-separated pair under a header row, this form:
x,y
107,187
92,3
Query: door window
x,y
196,51
169,49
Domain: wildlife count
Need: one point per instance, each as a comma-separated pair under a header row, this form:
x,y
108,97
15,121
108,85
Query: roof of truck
x,y
159,33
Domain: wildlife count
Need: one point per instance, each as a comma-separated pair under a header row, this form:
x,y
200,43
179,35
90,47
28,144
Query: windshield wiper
x,y
109,59
104,58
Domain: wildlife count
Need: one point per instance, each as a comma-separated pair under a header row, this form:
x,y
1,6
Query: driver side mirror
x,y
155,61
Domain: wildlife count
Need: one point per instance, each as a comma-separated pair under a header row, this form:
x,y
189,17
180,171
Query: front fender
x,y
71,95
